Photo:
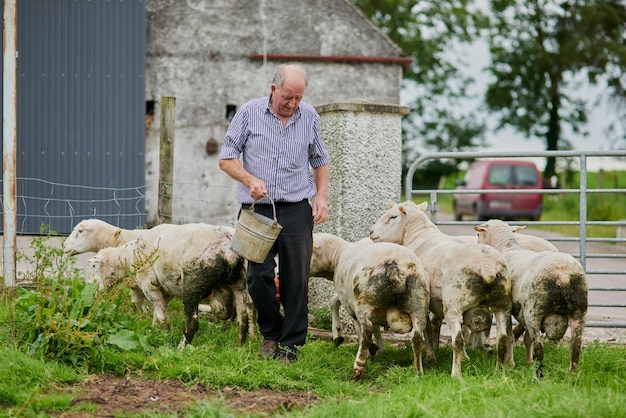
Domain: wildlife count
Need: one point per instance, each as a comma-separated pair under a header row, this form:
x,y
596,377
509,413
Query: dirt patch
x,y
108,396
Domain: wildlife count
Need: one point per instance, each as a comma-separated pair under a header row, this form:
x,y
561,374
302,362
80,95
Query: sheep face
x,y
391,226
81,240
104,273
554,326
320,264
497,234
478,320
110,265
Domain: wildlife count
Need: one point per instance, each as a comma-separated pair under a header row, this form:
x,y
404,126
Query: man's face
x,y
286,100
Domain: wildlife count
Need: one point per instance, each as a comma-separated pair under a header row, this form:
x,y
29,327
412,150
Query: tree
x,y
539,51
426,31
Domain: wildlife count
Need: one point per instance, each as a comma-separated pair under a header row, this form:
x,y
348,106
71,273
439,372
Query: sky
x,y
476,59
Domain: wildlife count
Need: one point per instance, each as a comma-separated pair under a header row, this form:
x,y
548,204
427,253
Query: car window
x,y
526,175
499,175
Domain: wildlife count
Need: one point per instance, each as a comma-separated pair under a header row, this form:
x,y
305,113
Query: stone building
x,y
213,56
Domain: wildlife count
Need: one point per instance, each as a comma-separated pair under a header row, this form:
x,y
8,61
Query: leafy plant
x,y
66,319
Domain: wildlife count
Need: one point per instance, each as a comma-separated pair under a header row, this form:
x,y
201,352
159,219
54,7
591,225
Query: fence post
x,y
9,142
166,159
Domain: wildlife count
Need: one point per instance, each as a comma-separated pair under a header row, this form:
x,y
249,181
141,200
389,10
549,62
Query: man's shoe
x,y
286,355
268,349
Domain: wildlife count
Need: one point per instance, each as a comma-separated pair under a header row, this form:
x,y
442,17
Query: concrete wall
x,y
198,51
364,139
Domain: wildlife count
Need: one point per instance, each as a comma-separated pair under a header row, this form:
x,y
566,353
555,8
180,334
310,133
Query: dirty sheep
x,y
549,292
92,235
378,284
463,277
198,263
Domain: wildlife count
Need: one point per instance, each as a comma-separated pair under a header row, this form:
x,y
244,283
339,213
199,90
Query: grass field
x,y
60,336
60,340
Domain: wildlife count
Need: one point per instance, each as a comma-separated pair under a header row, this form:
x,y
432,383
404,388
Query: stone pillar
x,y
364,139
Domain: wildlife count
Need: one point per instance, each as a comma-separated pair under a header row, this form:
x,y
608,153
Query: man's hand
x,y
320,210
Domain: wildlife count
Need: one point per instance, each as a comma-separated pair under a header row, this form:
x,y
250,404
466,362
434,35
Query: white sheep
x,y
549,290
482,319
191,267
378,284
463,277
92,235
525,241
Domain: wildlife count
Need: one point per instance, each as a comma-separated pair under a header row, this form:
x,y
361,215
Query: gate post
x,y
364,139
166,159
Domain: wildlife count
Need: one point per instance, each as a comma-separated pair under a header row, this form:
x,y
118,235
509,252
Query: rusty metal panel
x,y
80,113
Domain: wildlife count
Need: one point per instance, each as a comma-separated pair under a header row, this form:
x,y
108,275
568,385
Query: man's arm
x,y
321,176
234,169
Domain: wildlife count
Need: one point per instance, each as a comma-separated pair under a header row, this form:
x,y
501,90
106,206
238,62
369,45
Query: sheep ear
x,y
517,228
390,204
423,206
480,228
316,245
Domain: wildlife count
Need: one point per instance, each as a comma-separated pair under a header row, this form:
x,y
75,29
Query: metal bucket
x,y
255,234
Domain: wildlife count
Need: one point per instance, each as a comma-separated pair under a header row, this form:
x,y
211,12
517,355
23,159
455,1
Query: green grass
x,y
30,384
57,334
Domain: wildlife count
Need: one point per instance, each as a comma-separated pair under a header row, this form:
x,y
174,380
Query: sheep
x,y
549,290
191,268
463,277
525,241
92,235
377,284
482,320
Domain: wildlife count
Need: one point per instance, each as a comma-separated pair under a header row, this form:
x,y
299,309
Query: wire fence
x,y
59,207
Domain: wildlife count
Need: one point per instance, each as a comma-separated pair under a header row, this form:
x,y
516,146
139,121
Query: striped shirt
x,y
279,155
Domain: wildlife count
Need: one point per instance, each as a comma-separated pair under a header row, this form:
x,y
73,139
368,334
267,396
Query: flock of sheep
x,y
407,276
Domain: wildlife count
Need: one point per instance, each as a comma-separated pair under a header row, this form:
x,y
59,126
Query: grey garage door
x,y
80,113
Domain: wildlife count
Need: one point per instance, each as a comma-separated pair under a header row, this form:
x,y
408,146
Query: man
x,y
278,137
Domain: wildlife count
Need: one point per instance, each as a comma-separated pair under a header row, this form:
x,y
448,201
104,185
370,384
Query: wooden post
x,y
166,159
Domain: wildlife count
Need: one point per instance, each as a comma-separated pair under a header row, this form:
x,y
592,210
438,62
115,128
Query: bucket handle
x,y
251,209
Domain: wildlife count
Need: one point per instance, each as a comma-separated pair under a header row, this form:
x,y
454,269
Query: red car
x,y
499,174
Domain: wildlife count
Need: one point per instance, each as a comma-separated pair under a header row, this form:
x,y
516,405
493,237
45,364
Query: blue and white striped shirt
x,y
280,156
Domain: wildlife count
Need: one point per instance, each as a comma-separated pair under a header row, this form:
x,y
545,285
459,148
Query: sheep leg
x,y
156,298
137,296
336,320
242,315
417,341
365,343
436,331
252,316
430,350
504,339
532,338
454,319
378,338
576,335
190,307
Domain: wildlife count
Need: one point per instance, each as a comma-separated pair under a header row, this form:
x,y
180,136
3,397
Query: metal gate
x,y
607,286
